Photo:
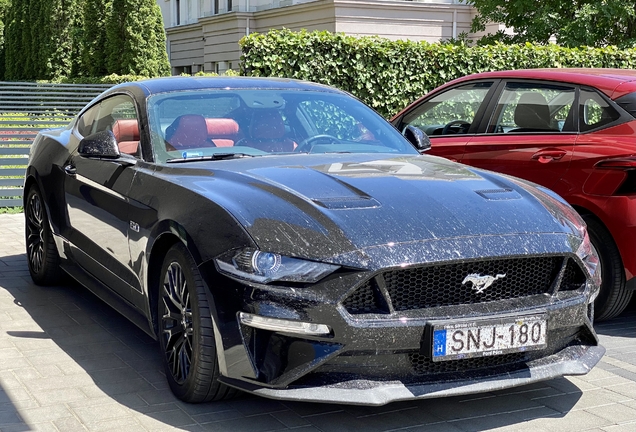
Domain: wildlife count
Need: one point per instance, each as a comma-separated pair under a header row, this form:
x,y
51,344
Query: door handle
x,y
545,156
70,169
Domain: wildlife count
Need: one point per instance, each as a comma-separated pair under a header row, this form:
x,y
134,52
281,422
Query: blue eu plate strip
x,y
439,343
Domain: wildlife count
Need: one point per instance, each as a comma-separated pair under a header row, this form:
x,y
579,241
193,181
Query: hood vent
x,y
349,202
499,194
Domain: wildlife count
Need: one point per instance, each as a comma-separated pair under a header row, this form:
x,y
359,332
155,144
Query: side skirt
x,y
109,297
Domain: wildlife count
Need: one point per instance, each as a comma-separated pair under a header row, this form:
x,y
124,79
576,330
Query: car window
x,y
528,107
450,112
258,122
86,120
594,111
326,118
118,115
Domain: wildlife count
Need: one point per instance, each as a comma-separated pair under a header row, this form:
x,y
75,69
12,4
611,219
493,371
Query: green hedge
x,y
388,75
118,79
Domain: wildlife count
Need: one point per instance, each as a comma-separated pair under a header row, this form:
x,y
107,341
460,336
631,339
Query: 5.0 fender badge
x,y
480,283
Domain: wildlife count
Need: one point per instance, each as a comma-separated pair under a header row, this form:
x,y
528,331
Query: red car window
x,y
527,107
451,112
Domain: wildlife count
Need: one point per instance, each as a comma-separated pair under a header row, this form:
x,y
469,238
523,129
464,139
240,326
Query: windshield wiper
x,y
215,156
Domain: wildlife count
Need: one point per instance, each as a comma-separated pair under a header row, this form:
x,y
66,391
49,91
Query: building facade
x,y
203,35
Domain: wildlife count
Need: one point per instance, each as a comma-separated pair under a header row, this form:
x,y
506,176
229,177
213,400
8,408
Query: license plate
x,y
488,338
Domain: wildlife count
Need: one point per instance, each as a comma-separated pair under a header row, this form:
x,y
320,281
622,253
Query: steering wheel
x,y
307,144
447,128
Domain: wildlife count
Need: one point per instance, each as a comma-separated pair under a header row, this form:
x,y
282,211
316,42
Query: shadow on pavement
x,y
71,349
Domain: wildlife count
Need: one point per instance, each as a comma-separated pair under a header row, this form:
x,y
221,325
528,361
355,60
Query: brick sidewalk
x,y
68,362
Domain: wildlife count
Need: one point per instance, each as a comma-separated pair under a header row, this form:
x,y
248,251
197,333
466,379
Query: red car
x,y
570,130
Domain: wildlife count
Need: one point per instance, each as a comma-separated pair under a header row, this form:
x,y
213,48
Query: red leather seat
x,y
186,132
126,133
267,132
223,132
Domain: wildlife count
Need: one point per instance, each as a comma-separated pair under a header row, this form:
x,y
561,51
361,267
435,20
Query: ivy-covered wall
x,y
388,75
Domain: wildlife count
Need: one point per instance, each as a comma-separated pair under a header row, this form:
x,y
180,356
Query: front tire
x,y
613,297
42,255
186,333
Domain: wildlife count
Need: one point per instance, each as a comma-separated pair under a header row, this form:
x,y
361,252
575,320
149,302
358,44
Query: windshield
x,y
202,124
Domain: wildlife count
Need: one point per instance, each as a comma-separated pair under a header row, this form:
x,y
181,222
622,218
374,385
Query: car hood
x,y
323,206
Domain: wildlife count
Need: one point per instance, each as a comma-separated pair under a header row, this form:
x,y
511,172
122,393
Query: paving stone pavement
x,y
70,363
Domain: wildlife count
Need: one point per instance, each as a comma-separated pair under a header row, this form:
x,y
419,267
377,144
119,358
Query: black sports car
x,y
280,237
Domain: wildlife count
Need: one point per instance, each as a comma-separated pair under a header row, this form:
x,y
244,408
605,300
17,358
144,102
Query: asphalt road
x,y
70,363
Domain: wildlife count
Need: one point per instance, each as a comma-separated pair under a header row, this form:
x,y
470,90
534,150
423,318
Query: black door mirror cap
x,y
99,145
417,137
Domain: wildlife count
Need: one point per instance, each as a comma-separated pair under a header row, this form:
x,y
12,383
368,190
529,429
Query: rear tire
x,y
42,255
186,333
613,297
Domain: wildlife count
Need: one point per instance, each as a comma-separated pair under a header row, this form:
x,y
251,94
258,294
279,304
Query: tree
x,y
136,39
93,49
4,8
42,39
571,22
53,39
55,51
15,56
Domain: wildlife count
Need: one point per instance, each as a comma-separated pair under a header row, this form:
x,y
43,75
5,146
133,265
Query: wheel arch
x,y
156,256
29,181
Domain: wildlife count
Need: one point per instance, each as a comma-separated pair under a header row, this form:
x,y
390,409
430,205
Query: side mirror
x,y
99,145
417,137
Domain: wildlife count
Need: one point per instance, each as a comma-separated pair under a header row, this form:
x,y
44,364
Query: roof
x,y
613,82
179,83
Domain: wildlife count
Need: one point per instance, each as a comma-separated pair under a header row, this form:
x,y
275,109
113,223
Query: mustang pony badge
x,y
480,283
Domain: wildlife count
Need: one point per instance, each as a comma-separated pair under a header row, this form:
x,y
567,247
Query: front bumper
x,y
576,360
375,351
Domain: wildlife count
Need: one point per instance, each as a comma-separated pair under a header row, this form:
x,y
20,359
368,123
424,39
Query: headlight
x,y
264,267
588,255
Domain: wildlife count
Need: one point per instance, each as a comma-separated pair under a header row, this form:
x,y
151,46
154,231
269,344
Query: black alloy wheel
x,y
177,322
42,255
186,332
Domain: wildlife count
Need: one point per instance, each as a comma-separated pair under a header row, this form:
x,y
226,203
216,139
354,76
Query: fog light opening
x,y
281,325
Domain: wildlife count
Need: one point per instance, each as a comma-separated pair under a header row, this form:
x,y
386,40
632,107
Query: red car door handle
x,y
545,156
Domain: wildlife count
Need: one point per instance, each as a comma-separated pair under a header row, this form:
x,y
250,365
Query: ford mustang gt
x,y
279,237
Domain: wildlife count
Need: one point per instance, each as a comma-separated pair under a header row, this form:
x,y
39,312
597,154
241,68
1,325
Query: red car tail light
x,y
624,186
617,163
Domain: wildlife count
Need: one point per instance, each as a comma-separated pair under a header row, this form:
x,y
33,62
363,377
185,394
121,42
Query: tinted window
x,y
526,107
195,124
450,112
85,122
118,115
330,119
594,111
113,109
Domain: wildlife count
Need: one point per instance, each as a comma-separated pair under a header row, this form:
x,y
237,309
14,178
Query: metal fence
x,y
25,109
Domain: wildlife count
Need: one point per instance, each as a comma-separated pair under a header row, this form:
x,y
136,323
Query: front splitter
x,y
575,360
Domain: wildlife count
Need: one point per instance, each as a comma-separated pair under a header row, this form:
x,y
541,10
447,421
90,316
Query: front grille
x,y
424,365
364,300
448,284
432,286
573,278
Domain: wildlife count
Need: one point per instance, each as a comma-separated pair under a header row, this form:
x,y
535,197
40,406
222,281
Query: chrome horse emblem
x,y
480,283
